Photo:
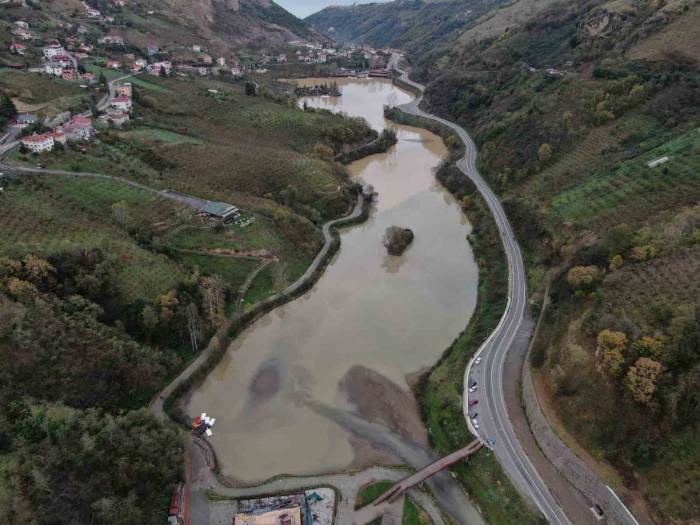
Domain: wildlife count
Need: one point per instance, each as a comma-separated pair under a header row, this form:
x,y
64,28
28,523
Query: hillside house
x,y
62,60
27,118
22,24
38,143
17,48
113,64
116,40
206,59
115,117
53,68
153,49
236,72
154,69
138,65
69,74
78,128
124,90
22,33
122,103
197,48
53,49
221,61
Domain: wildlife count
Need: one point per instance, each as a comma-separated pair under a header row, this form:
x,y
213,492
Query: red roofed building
x,y
38,143
18,48
78,128
121,102
69,74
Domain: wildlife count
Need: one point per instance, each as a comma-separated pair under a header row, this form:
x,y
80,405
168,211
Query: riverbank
x,y
167,401
439,392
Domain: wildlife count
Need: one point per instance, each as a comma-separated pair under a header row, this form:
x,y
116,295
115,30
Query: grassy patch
x,y
675,477
160,135
233,271
413,514
370,492
36,91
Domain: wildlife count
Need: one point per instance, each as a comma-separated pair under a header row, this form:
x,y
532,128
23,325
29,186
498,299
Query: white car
x,y
472,390
477,360
475,423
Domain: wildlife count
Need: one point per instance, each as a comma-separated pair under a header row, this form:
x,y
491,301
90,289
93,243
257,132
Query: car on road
x,y
472,389
473,402
477,360
475,423
474,415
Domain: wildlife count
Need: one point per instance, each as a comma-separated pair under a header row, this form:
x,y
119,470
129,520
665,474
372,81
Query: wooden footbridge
x,y
402,486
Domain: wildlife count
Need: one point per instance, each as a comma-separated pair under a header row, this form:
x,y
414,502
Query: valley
x,y
259,267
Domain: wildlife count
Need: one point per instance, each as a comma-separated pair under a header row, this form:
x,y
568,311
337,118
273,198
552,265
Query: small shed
x,y
221,210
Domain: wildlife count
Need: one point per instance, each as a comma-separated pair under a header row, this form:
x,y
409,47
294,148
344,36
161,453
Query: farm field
x,y
634,190
33,92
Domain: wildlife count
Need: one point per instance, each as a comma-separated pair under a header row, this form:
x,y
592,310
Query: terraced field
x,y
632,190
48,215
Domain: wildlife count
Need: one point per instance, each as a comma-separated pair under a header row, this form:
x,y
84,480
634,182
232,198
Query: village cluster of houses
x,y
79,128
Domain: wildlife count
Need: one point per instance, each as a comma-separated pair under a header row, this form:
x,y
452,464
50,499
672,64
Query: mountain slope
x,y
219,25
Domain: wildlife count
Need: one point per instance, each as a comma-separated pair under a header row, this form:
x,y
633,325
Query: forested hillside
x,y
108,290
587,116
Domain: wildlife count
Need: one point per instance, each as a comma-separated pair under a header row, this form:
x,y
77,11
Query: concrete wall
x,y
568,463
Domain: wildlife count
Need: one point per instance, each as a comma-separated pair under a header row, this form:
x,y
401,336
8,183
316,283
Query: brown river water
x,y
352,343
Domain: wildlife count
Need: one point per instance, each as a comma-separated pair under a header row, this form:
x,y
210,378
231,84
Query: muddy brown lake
x,y
288,386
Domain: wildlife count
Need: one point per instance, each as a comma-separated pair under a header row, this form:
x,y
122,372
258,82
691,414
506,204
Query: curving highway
x,y
486,368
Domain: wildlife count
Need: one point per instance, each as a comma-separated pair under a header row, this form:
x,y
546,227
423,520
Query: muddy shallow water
x,y
349,344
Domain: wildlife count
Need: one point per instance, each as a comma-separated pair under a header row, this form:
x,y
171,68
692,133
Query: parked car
x,y
473,402
472,390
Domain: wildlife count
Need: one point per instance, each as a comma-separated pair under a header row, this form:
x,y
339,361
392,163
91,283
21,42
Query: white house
x,y
53,68
154,69
53,49
38,143
121,102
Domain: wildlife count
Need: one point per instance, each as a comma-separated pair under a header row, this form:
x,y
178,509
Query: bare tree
x,y
213,292
120,210
193,326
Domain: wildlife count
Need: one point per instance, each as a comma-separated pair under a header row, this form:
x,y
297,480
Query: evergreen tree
x,y
8,111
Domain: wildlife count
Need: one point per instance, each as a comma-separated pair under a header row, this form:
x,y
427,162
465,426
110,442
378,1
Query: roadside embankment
x,y
439,392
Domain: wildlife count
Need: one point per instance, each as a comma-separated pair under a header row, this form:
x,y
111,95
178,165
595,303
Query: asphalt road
x,y
493,420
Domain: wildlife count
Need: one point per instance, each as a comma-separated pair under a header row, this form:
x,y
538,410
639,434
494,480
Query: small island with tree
x,y
397,239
